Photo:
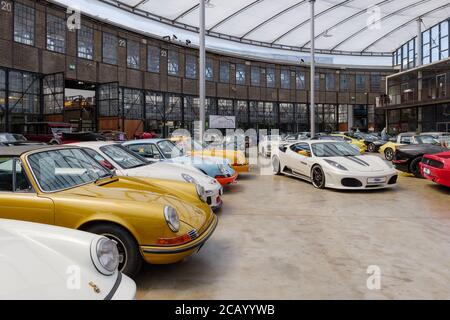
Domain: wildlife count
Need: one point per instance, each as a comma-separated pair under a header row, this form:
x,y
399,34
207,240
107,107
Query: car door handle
x,y
302,162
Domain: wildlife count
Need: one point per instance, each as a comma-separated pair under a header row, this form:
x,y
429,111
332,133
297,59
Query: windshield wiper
x,y
107,175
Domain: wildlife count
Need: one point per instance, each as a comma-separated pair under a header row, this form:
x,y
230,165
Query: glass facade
x,y
435,47
173,63
133,107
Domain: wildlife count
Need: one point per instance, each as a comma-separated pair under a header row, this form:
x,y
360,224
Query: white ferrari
x,y
333,164
44,262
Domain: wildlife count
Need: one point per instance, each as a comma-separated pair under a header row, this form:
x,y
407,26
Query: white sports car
x,y
44,262
113,156
333,164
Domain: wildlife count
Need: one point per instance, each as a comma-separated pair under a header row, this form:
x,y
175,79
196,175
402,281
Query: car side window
x,y
146,150
302,149
12,176
100,159
405,140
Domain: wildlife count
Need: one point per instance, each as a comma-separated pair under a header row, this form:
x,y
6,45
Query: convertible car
x,y
127,163
158,221
155,150
436,167
408,157
27,250
333,164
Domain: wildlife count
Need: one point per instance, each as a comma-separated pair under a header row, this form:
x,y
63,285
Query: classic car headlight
x,y
336,165
105,255
172,218
188,178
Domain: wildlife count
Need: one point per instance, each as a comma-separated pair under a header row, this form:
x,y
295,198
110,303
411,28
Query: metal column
x,y
312,92
202,63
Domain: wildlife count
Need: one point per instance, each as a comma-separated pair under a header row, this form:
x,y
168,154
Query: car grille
x,y
433,163
351,183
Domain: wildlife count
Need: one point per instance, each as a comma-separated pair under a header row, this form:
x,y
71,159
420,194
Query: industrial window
x,y
225,107
435,43
132,104
153,59
86,43
412,53
108,100
191,67
24,91
209,69
330,82
426,47
285,79
224,72
286,113
317,81
444,40
375,83
240,74
405,56
343,82
360,82
241,111
109,48
256,76
56,34
173,64
270,77
300,80
343,113
173,110
133,54
154,106
53,93
301,113
24,21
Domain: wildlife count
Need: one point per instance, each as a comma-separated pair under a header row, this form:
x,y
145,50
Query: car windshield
x,y
169,149
124,158
426,139
64,169
334,149
8,137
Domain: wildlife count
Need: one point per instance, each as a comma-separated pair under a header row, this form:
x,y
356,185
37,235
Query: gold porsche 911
x,y
156,221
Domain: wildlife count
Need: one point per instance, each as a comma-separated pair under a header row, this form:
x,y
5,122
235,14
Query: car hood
x,y
172,171
362,163
138,193
36,262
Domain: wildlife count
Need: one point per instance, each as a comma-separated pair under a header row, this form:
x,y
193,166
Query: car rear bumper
x,y
173,254
439,176
241,167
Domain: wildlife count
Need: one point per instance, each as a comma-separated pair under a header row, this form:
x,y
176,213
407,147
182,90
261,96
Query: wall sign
x,y
6,6
122,43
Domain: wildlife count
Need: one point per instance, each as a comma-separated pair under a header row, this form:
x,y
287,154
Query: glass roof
x,y
343,27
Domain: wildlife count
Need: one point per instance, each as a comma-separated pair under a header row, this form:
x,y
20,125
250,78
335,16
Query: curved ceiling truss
x,y
350,27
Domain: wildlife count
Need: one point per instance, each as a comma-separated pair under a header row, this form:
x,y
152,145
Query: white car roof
x,y
155,140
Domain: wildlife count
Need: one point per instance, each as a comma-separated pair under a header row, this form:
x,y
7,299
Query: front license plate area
x,y
426,171
376,180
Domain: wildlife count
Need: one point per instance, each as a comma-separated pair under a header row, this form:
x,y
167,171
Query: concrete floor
x,y
279,238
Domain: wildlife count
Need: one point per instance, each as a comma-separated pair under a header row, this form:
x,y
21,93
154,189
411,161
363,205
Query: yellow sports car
x,y
388,149
156,221
236,158
359,143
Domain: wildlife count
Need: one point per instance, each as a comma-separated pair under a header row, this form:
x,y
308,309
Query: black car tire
x,y
389,154
371,147
414,167
126,244
318,177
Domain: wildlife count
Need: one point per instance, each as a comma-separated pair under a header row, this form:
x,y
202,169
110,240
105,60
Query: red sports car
x,y
436,167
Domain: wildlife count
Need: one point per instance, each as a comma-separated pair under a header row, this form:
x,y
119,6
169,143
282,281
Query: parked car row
x,y
128,203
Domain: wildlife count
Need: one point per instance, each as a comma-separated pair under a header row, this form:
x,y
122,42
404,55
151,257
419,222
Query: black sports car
x,y
408,157
371,140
